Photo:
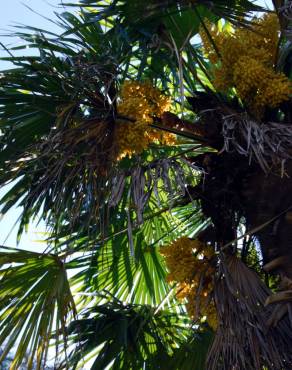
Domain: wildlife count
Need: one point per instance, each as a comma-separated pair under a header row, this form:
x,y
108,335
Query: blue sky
x,y
14,13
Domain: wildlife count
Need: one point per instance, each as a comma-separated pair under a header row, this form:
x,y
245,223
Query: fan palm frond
x,y
109,214
134,12
127,336
36,301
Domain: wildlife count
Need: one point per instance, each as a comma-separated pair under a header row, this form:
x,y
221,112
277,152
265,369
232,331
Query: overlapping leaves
x,y
35,301
127,336
55,111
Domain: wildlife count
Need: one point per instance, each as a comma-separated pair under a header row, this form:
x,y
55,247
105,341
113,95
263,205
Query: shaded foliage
x,y
108,218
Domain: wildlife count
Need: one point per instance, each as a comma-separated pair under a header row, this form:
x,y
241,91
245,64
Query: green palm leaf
x,y
138,277
127,336
35,302
109,217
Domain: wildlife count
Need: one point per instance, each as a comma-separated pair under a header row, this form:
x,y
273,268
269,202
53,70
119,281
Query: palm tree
x,y
160,162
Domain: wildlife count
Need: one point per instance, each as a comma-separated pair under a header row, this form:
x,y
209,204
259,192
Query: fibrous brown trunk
x,y
268,197
245,182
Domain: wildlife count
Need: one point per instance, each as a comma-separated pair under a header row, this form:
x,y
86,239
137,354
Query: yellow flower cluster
x,y
140,102
260,86
189,264
245,59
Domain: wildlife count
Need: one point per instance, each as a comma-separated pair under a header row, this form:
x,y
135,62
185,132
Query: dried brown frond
x,y
243,339
268,144
76,161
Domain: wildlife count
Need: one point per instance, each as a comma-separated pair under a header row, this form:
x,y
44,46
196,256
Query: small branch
x,y
285,296
255,229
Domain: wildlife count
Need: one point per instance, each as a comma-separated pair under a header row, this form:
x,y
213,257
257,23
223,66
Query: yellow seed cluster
x,y
245,59
189,264
260,86
140,102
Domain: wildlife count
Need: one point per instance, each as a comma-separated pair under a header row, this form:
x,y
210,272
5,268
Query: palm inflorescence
x,y
154,139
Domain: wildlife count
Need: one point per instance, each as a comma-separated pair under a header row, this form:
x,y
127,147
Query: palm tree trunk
x,y
269,198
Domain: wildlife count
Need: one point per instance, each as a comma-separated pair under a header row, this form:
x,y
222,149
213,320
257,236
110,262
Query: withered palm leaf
x,y
244,338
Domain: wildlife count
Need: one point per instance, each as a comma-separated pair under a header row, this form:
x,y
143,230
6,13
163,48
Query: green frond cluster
x,y
152,178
